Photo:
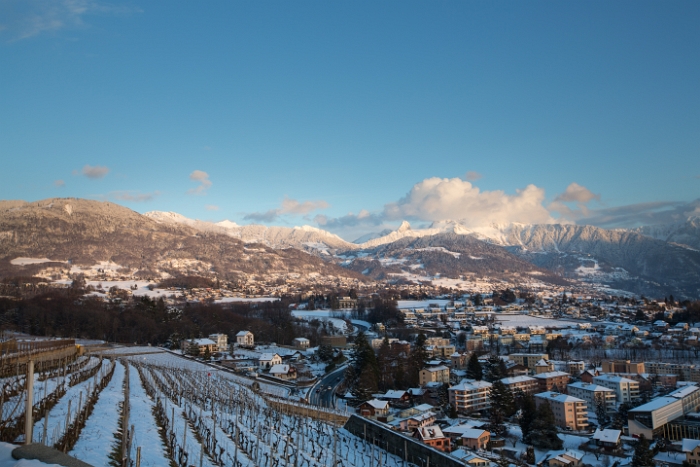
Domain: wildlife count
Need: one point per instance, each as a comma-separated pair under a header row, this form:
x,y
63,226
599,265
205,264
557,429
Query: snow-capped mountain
x,y
683,233
304,237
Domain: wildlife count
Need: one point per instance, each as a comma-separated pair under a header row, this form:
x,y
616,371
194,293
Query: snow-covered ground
x,y
322,315
98,436
26,261
527,320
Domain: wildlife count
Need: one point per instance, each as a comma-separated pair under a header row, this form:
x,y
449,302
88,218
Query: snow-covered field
x,y
322,315
184,412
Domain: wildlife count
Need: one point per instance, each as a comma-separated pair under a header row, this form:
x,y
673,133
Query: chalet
x,y
607,439
396,397
283,371
432,436
374,409
475,439
470,459
417,421
691,448
567,459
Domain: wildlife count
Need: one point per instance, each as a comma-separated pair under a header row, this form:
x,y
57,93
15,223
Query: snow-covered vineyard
x,y
158,409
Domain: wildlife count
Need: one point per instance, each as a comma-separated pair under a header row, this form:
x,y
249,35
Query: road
x,y
319,393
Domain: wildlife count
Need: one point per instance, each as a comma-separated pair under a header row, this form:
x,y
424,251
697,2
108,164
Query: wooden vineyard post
x,y
138,456
46,424
28,413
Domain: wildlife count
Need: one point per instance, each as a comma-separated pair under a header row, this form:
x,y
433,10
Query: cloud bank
x,y
288,207
133,196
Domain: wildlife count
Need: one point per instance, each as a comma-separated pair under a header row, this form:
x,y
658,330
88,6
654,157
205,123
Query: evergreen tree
x,y
543,430
528,411
207,354
363,370
502,398
601,411
643,456
495,368
474,370
385,362
496,424
530,455
418,359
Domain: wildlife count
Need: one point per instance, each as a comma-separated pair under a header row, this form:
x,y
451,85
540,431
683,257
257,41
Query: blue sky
x,y
353,116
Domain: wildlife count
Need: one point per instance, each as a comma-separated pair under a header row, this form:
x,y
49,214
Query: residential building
x,y
691,449
623,366
475,439
470,459
626,390
435,374
567,459
526,384
528,360
684,371
417,421
283,371
592,393
268,360
432,436
553,381
347,303
301,343
608,438
470,396
221,342
374,409
199,346
569,411
245,339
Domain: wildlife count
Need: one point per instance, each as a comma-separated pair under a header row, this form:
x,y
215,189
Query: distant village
x,y
608,374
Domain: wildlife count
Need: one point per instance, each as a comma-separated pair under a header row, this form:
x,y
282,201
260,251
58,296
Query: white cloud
x,y
576,193
204,183
29,18
211,207
59,183
436,199
94,172
472,176
289,206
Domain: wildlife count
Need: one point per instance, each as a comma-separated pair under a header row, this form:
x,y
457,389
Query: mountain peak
x,y
405,226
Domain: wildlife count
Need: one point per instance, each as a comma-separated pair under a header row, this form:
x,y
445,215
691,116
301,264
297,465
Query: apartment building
x,y
623,366
569,411
528,360
553,381
684,371
470,396
434,374
626,390
526,384
592,393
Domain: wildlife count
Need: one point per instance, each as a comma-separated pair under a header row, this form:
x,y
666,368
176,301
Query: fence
x,y
317,413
